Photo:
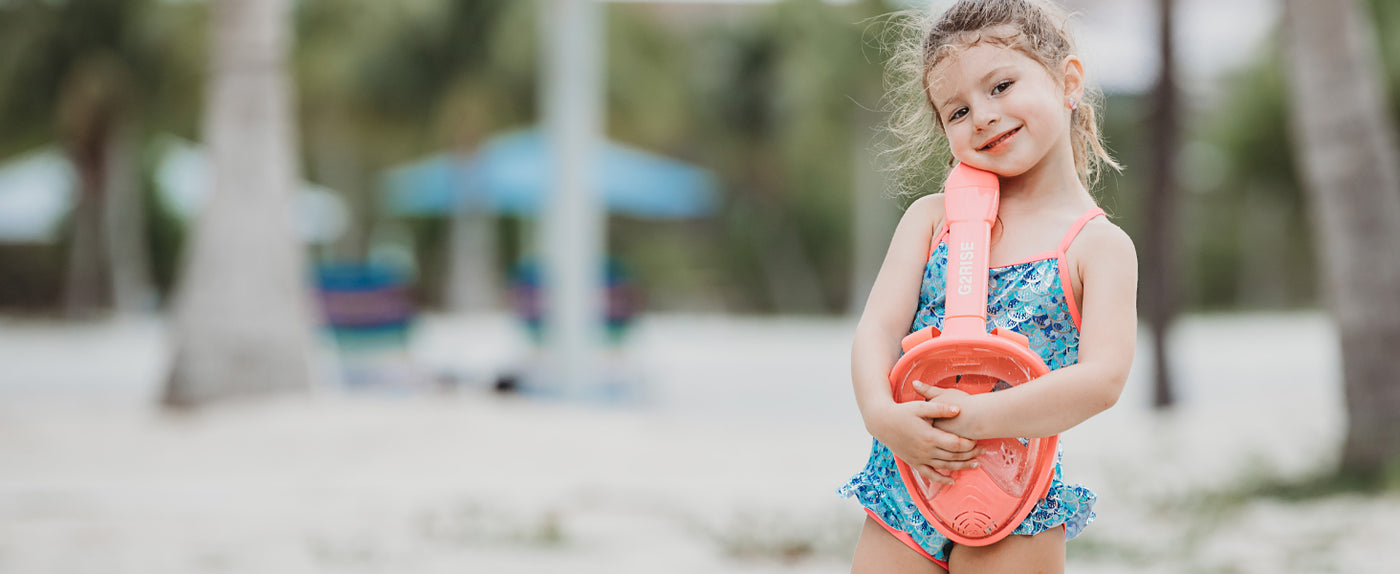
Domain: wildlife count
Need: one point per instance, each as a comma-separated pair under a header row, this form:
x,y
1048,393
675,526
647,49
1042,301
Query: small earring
x,y
1073,105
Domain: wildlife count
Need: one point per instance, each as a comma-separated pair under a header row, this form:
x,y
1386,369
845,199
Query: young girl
x,y
1001,83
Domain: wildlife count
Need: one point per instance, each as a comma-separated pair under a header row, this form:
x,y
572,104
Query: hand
x,y
953,397
907,429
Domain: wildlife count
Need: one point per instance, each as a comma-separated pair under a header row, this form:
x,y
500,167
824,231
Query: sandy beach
x,y
724,456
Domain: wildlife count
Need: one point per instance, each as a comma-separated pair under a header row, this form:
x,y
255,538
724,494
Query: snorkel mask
x,y
984,504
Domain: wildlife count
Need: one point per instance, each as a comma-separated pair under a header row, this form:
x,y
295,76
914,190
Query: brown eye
x,y
960,112
1002,87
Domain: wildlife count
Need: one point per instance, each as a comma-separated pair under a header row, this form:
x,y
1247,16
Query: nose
x,y
985,117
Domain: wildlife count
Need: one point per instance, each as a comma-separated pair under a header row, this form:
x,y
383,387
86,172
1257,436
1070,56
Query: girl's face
x,y
1001,110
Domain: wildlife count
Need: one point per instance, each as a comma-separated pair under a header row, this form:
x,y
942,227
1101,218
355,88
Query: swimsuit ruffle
x,y
879,489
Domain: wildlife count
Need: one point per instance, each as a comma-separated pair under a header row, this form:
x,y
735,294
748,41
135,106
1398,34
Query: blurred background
x,y
509,286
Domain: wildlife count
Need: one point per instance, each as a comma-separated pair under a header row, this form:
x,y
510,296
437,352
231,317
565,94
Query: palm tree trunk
x,y
89,108
125,222
1346,146
85,284
242,321
1160,261
874,213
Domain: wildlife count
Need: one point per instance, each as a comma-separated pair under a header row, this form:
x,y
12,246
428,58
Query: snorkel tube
x,y
984,504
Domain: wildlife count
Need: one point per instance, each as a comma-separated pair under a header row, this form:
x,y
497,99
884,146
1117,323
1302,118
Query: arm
x,y
1066,397
889,310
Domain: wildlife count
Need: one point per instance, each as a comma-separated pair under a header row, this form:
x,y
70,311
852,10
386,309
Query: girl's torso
x,y
1029,297
1033,296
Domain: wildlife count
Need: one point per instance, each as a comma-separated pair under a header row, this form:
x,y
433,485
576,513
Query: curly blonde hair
x,y
919,40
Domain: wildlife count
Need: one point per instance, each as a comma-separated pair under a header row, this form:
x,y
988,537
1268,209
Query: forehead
x,y
964,68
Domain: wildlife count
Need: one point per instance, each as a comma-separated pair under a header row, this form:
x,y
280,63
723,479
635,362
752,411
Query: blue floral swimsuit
x,y
1030,298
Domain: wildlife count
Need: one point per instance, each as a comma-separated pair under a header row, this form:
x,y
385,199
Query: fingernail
x,y
974,465
954,410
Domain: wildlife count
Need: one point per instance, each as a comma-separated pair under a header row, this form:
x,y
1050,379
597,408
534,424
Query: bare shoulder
x,y
926,211
1103,244
928,205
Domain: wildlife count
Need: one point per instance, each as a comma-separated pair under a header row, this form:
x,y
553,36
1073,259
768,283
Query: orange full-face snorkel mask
x,y
985,504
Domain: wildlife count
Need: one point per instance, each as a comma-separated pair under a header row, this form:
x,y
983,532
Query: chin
x,y
1001,168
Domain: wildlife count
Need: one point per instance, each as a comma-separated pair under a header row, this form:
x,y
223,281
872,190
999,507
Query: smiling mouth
x,y
998,141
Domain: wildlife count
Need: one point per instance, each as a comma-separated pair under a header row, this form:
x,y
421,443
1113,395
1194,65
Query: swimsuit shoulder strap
x,y
1078,225
1064,269
937,237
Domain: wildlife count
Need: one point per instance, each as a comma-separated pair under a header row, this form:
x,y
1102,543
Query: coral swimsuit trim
x,y
1028,297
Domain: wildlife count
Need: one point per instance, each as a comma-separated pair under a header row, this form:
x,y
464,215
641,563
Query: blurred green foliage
x,y
1386,14
769,97
74,72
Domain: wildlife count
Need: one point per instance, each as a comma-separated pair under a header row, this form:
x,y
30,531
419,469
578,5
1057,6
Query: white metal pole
x,y
572,234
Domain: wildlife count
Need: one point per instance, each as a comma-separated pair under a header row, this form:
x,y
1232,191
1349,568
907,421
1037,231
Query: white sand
x,y
727,461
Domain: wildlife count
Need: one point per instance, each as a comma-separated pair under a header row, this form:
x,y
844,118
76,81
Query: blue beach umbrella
x,y
512,173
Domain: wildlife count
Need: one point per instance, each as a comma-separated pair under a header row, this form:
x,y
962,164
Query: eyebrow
x,y
997,70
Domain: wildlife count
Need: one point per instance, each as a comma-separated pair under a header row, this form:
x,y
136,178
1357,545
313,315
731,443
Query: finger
x,y
952,465
950,455
928,392
937,410
952,443
933,475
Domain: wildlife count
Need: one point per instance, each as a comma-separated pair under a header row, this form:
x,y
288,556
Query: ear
x,y
1073,70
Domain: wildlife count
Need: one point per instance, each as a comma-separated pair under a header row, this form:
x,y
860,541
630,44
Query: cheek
x,y
1044,111
957,135
960,142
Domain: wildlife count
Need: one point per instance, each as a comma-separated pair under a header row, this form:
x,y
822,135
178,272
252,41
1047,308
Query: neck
x,y
1053,180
